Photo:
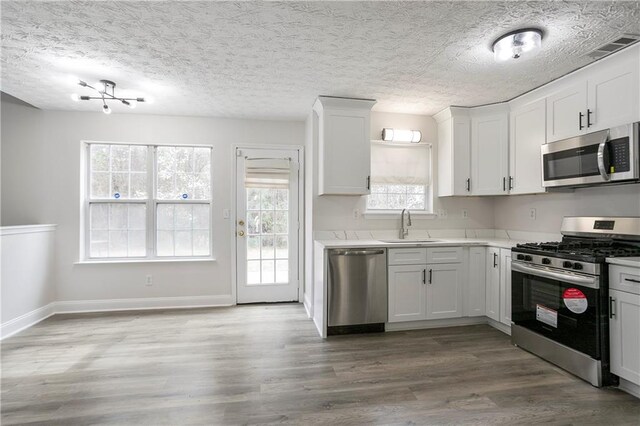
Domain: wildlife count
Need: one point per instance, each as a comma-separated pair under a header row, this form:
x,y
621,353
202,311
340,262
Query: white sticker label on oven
x,y
547,316
575,300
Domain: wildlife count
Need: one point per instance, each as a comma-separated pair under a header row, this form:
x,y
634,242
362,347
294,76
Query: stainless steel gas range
x,y
560,303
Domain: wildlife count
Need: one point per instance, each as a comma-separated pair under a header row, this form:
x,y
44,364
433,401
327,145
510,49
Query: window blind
x,y
267,173
400,164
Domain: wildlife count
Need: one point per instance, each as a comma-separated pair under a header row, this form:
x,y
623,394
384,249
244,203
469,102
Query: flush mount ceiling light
x,y
107,92
397,135
515,43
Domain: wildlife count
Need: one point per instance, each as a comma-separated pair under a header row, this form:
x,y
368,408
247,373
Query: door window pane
x,y
183,229
117,230
267,241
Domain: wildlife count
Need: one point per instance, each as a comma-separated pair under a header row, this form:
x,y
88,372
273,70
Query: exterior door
x,y
267,225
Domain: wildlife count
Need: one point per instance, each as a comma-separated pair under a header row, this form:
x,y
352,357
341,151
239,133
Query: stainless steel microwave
x,y
607,156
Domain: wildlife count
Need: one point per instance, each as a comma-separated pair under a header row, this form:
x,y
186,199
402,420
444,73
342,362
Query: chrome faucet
x,y
404,231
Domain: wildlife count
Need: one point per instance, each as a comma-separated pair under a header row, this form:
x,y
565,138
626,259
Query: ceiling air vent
x,y
619,43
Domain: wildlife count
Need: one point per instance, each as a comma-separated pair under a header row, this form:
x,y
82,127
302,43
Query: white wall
x,y
41,184
512,212
336,212
27,286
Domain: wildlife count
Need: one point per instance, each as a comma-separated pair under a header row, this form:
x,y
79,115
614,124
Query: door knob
x,y
241,222
241,233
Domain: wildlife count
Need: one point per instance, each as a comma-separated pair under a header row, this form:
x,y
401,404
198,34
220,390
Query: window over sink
x,y
400,178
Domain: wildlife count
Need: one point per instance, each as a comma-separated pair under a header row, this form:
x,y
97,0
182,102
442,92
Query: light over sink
x,y
408,240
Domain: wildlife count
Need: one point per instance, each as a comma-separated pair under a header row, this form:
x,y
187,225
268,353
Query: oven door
x,y
562,306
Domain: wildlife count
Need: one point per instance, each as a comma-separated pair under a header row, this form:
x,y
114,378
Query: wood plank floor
x,y
265,364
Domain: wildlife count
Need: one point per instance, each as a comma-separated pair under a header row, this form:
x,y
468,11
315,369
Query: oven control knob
x,y
567,264
577,266
546,261
520,257
528,258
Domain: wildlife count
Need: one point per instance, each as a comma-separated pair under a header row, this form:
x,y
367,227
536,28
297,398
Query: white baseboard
x,y
417,325
308,306
78,306
629,387
27,320
499,326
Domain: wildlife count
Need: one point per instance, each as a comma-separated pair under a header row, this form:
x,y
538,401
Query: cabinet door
x,y
527,135
345,153
563,111
612,93
489,159
475,293
444,291
407,286
505,286
461,155
625,335
493,283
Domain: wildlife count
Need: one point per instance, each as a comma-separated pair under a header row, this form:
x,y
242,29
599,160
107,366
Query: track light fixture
x,y
107,92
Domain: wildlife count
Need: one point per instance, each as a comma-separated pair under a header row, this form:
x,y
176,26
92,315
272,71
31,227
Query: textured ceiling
x,y
271,59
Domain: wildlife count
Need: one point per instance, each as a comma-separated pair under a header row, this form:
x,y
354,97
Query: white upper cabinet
x,y
613,93
604,95
344,145
527,134
489,150
454,152
566,112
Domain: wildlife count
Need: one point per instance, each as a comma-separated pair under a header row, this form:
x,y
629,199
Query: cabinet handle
x,y
589,117
580,126
632,280
368,183
424,276
510,182
612,303
468,184
430,276
495,260
504,183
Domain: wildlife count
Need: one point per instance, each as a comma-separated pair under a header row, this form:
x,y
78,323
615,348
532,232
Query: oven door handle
x,y
583,280
602,168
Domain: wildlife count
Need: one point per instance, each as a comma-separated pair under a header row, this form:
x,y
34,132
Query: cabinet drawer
x,y
444,255
407,256
624,278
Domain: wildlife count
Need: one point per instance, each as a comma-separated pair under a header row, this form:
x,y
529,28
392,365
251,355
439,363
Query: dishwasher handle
x,y
356,252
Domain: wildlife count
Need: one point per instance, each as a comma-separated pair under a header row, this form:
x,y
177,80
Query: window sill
x,y
120,261
392,214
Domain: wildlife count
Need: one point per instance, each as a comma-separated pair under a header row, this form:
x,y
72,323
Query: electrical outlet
x,y
532,214
356,213
149,281
465,214
442,213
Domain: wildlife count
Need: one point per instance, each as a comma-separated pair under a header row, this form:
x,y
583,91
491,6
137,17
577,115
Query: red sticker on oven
x,y
575,300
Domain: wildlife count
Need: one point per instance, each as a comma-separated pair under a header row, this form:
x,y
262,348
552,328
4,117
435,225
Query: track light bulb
x,y
106,109
75,97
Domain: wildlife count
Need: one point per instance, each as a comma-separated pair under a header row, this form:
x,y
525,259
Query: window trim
x,y
151,203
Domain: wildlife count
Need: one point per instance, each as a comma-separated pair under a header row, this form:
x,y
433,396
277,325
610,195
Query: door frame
x,y
234,208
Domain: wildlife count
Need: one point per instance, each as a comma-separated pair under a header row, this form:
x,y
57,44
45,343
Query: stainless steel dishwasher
x,y
357,290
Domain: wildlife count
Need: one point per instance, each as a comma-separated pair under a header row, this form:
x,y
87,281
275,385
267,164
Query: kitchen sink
x,y
407,240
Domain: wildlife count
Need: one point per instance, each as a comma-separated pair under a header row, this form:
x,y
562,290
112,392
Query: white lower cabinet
x,y
493,283
505,286
407,293
427,290
475,291
444,291
624,322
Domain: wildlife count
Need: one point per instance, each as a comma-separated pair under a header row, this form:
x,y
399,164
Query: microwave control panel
x,y
619,155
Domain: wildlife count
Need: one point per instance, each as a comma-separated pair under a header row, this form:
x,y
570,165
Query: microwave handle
x,y
601,166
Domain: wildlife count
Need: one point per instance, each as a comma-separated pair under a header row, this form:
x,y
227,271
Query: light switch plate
x,y
226,213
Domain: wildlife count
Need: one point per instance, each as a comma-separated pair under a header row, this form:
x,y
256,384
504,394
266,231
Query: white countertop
x,y
440,242
634,262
